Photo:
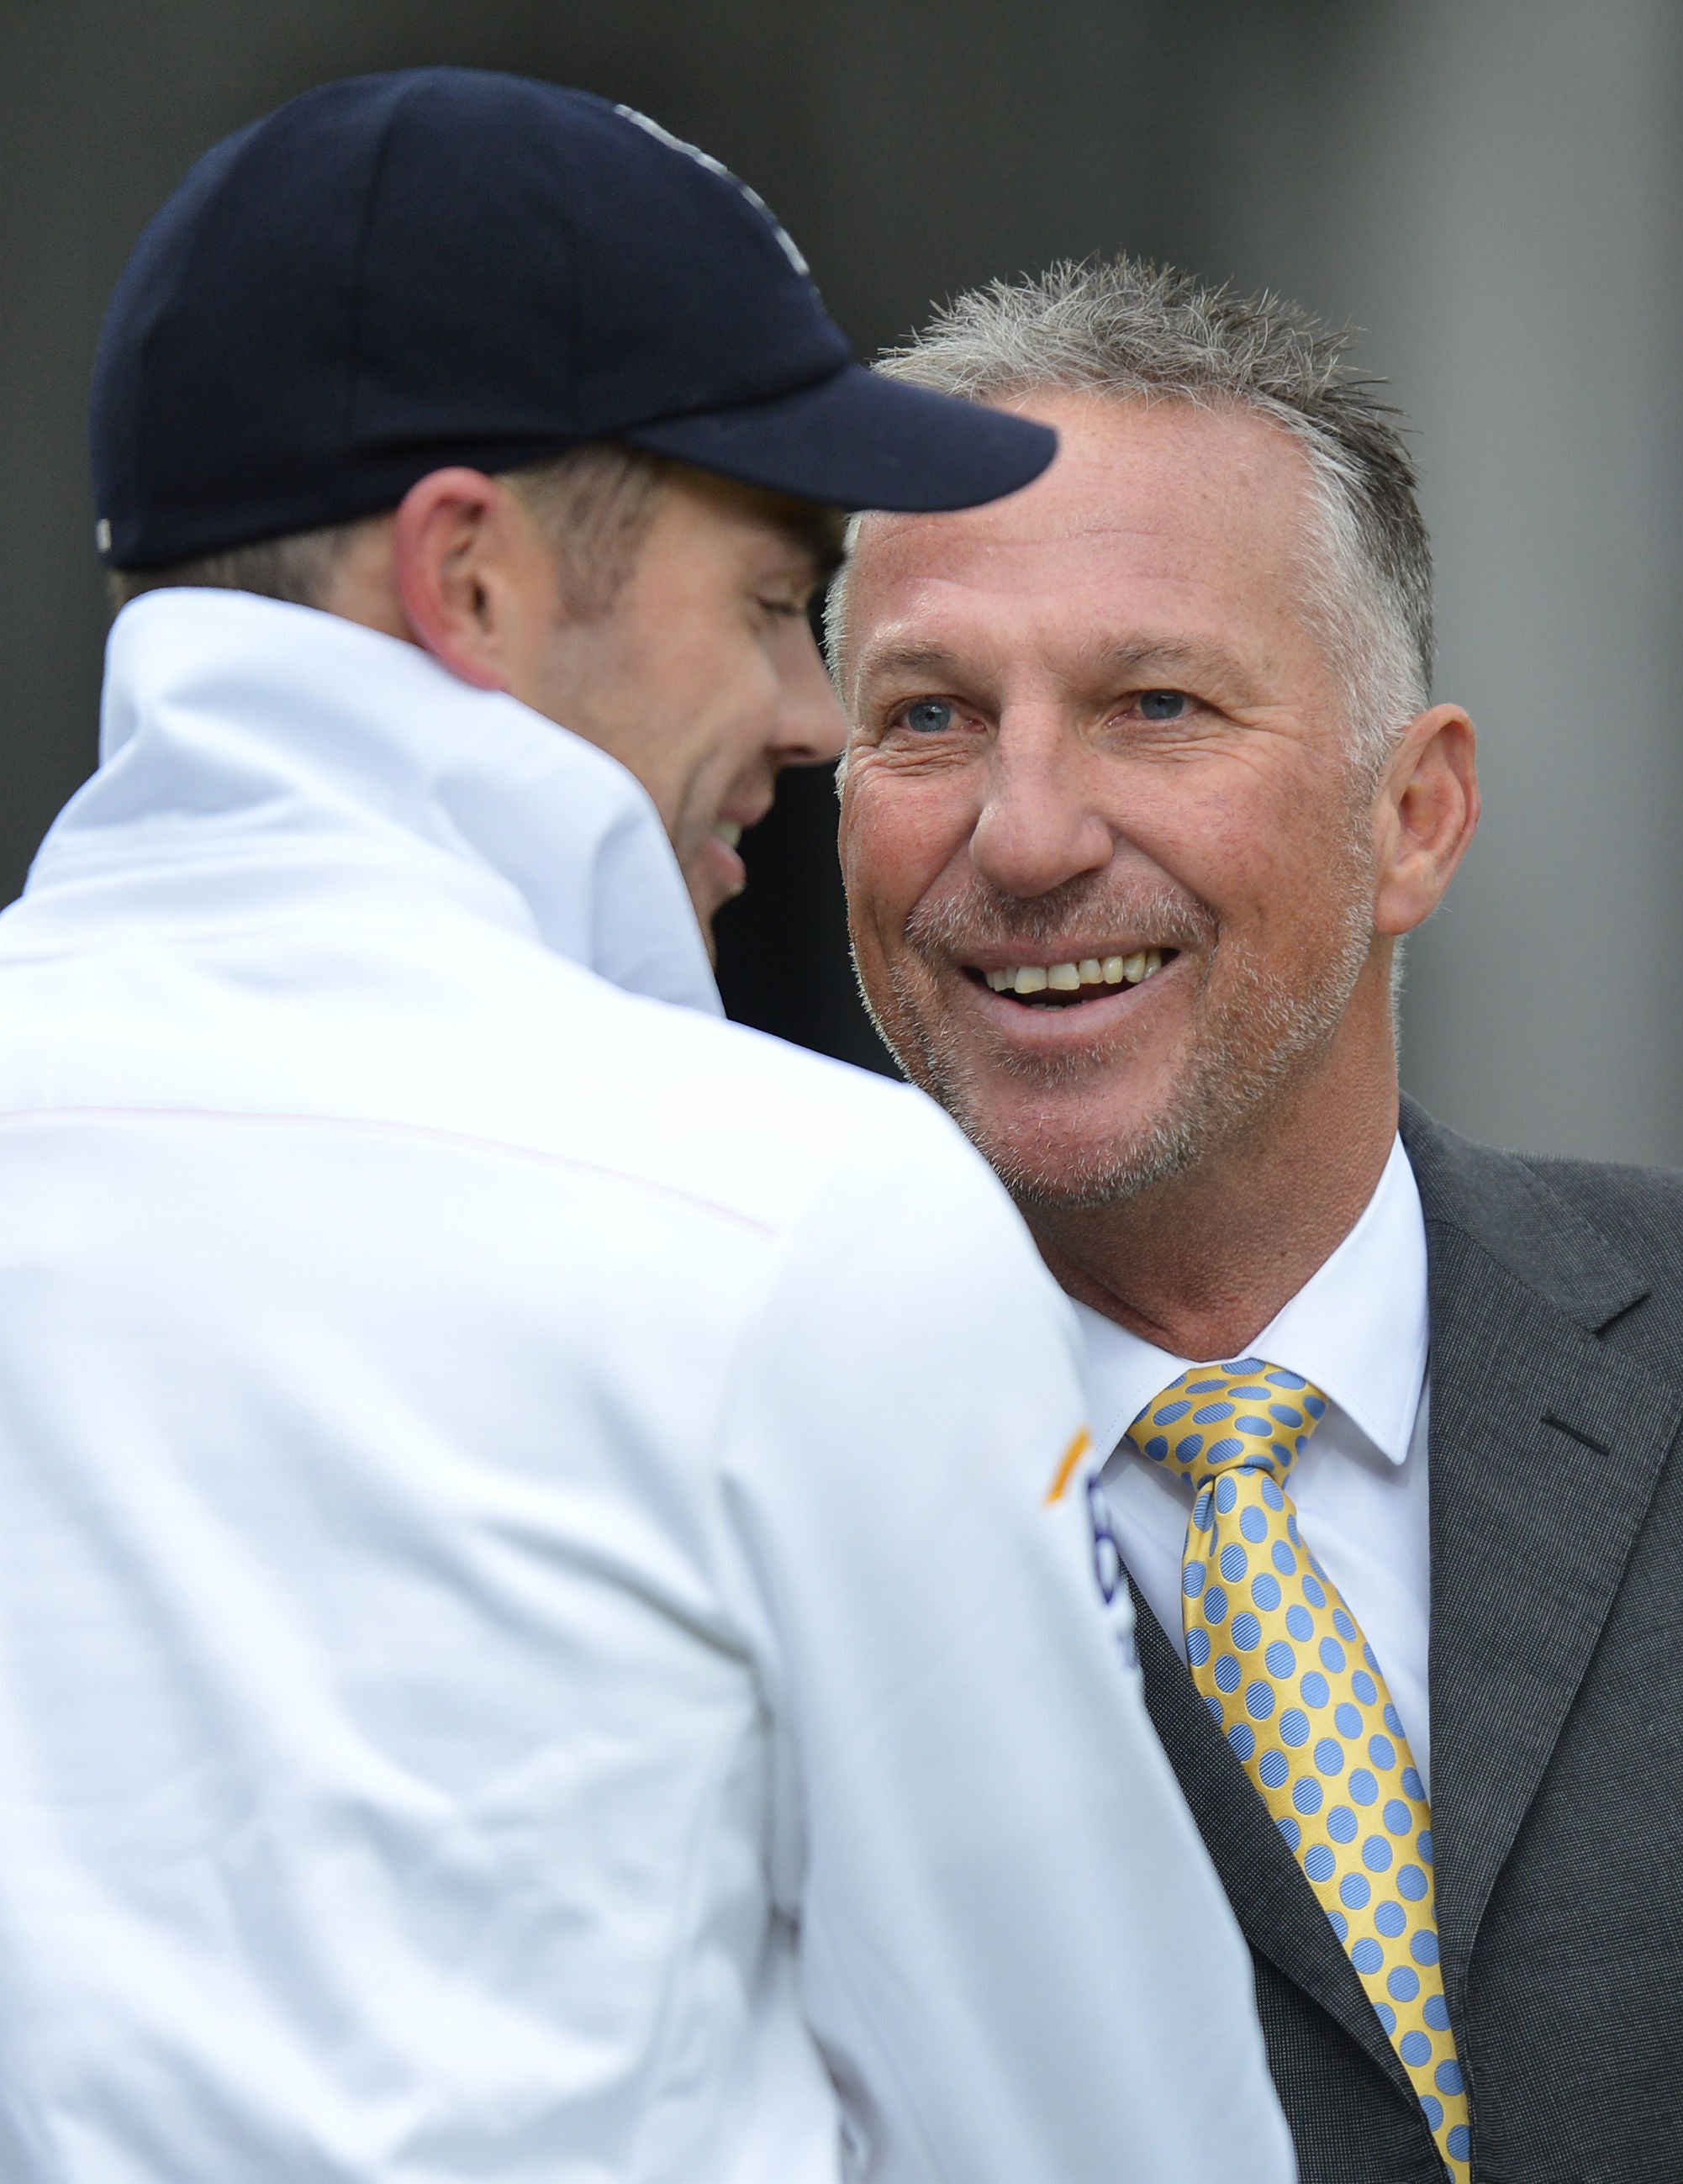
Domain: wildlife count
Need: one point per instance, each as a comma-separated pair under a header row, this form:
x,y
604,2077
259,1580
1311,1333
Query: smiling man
x,y
491,1685
684,648
1143,791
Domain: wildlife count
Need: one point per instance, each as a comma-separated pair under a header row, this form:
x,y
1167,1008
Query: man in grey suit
x,y
1145,789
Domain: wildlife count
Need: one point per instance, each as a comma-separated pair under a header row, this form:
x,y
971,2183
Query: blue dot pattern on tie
x,y
1289,1678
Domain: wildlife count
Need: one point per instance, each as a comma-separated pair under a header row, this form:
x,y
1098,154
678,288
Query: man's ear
x,y
1424,815
457,551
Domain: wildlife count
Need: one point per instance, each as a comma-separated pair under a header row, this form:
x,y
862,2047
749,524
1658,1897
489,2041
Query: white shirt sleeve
x,y
1009,1929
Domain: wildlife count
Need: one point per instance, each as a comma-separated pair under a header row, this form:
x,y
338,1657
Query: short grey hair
x,y
1138,332
593,502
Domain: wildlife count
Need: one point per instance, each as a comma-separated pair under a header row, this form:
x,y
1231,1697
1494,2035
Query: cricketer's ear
x,y
474,574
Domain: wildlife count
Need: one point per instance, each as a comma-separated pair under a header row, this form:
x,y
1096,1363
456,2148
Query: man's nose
x,y
1039,826
811,728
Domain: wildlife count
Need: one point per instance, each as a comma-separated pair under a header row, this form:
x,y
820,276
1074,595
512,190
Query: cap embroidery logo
x,y
717,167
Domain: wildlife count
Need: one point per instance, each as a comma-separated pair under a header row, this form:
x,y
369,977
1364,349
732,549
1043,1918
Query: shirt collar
x,y
279,738
1358,1328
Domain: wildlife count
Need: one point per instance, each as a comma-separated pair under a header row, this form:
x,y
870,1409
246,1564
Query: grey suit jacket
x,y
1557,1695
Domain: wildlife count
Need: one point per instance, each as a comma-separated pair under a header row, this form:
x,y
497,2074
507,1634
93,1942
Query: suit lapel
x,y
1545,1448
1276,1907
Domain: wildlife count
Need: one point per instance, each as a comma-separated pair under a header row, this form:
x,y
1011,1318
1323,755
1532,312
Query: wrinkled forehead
x,y
1159,522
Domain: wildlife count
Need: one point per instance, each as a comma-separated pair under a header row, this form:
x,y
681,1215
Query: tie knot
x,y
1248,1415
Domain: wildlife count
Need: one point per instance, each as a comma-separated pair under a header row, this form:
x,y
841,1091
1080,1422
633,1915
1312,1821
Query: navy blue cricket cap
x,y
442,265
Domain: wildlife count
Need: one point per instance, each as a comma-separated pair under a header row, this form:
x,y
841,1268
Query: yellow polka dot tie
x,y
1289,1678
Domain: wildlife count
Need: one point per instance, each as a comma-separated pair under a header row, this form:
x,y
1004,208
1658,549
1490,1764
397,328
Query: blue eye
x,y
1163,705
930,716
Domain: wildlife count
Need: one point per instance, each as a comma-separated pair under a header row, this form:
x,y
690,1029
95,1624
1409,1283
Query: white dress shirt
x,y
533,1642
1357,1330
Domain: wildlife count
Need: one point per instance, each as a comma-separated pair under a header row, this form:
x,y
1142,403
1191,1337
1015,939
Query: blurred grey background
x,y
1492,189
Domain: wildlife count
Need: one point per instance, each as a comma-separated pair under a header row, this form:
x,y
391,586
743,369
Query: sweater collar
x,y
237,731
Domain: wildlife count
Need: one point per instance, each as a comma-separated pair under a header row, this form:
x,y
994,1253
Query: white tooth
x,y
1114,970
1063,977
1091,975
1030,979
728,830
1001,980
1133,970
1154,961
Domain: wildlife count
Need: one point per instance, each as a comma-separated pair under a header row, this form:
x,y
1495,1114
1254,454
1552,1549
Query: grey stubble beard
x,y
1263,1035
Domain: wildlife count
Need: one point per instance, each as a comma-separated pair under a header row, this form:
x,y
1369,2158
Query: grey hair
x,y
592,504
1141,333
